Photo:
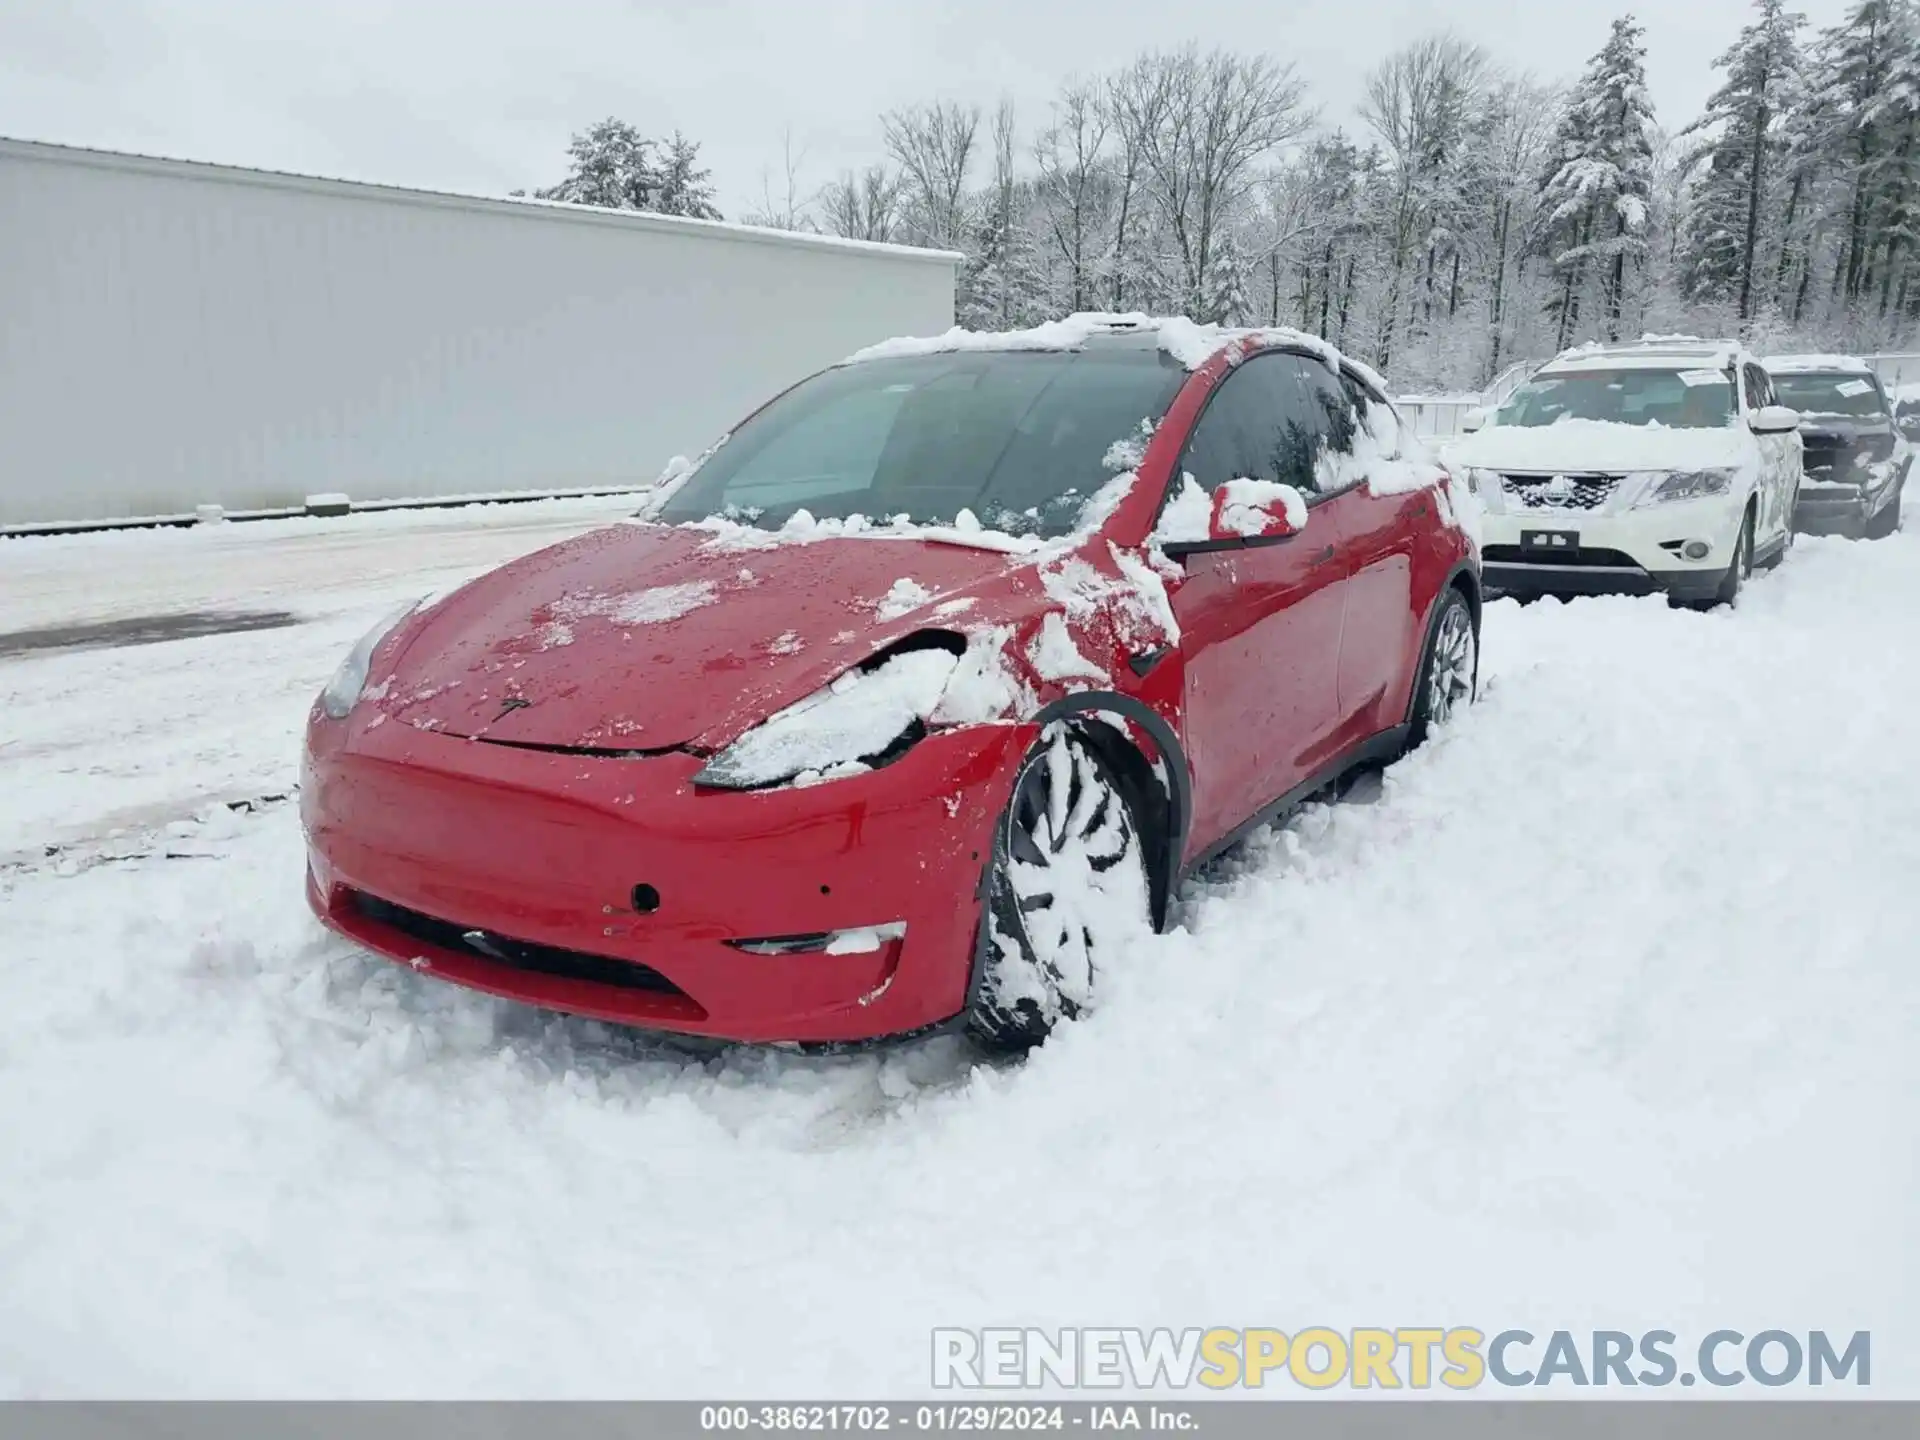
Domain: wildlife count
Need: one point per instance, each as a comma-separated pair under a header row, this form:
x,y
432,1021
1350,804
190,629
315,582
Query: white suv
x,y
1659,466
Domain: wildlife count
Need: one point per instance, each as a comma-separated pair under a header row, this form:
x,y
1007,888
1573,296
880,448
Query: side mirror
x,y
1256,510
1474,419
1774,420
1909,425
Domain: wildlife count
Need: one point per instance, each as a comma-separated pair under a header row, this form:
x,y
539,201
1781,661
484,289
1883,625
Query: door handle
x,y
1322,558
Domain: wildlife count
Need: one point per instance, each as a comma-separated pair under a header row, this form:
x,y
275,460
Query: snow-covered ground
x,y
1601,1013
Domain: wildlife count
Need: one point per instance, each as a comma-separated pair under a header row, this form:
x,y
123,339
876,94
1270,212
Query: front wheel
x,y
1742,567
1449,668
1888,520
1068,888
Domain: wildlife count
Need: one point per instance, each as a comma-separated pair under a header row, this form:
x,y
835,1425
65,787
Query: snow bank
x,y
235,1147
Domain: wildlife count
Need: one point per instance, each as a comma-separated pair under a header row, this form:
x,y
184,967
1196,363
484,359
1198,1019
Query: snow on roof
x,y
1189,344
1816,364
1652,350
127,160
1649,352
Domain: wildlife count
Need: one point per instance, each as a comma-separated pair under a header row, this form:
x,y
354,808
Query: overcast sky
x,y
481,95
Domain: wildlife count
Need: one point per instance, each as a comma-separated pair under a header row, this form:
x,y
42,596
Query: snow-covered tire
x,y
1739,571
1449,675
1069,883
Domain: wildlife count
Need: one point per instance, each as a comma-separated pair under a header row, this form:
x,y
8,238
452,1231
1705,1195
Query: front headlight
x,y
342,692
875,713
1687,485
864,716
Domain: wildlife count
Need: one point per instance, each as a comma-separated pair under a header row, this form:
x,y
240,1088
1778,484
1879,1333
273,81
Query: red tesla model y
x,y
912,700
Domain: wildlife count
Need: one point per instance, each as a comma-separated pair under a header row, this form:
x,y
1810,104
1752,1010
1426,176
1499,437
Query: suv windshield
x,y
1685,399
1021,439
1834,393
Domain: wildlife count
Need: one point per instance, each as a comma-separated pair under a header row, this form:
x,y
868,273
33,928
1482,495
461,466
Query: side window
x,y
1340,419
1259,425
1755,385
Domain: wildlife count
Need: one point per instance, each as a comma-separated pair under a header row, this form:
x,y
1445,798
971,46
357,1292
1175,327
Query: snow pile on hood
x,y
1134,598
906,596
1246,502
802,528
826,735
1055,657
1574,444
635,607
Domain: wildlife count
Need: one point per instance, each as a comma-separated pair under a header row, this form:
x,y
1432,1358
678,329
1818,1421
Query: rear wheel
x,y
1450,668
1068,887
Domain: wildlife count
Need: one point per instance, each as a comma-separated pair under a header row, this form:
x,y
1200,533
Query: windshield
x,y
1839,393
1021,439
1685,399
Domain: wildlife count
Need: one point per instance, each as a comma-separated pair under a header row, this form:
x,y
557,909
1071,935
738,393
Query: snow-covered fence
x,y
175,335
1438,416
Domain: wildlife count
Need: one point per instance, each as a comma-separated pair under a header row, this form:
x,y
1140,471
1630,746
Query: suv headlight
x,y
1687,485
342,692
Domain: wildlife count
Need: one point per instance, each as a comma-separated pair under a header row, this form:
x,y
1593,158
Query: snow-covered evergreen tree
x,y
1595,200
685,188
618,168
1738,155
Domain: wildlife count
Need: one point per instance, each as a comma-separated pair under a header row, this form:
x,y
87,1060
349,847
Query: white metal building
x,y
174,334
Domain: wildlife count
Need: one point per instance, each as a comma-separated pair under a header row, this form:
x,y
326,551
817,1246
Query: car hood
x,y
1595,445
647,637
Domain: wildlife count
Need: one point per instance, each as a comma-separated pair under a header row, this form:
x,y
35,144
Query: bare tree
x,y
933,147
1073,182
1417,101
1203,122
788,211
864,206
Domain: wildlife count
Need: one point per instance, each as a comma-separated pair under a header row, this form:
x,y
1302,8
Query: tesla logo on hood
x,y
511,704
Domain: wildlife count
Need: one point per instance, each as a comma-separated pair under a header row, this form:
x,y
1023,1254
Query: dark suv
x,y
1855,459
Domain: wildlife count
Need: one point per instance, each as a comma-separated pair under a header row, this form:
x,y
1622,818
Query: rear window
x,y
1834,393
1022,440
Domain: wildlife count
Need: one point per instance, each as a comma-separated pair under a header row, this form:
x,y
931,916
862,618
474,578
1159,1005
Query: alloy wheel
x,y
1450,673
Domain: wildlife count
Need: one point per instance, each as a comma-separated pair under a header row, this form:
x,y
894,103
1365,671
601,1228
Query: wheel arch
x,y
1162,797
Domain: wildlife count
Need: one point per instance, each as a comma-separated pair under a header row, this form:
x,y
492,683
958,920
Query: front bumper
x,y
1635,552
610,887
1841,510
